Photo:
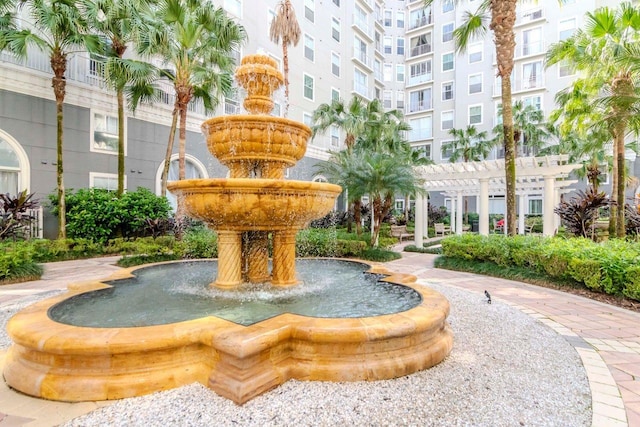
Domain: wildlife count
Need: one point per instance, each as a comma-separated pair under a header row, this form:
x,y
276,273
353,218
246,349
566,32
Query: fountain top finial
x,y
260,77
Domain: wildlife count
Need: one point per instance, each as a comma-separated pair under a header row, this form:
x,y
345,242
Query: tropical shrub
x,y
17,264
14,214
579,214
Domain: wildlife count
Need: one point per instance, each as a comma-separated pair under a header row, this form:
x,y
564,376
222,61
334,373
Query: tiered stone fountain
x,y
256,199
65,360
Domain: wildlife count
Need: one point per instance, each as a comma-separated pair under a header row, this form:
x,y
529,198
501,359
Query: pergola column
x,y
521,214
459,198
419,221
483,207
452,216
548,220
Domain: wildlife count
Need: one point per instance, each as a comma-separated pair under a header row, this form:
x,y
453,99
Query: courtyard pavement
x,y
607,338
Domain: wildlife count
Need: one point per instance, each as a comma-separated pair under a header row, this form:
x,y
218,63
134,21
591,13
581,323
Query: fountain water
x,y
63,358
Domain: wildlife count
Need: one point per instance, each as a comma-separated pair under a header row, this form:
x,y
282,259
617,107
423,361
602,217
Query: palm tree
x,y
354,119
603,52
529,130
285,27
58,28
467,145
197,41
121,22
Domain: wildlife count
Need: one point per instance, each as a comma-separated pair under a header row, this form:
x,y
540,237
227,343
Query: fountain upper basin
x,y
255,204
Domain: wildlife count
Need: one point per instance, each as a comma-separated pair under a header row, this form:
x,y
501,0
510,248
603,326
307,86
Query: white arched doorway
x,y
15,170
194,168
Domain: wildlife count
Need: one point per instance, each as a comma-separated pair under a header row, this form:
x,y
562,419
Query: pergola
x,y
534,175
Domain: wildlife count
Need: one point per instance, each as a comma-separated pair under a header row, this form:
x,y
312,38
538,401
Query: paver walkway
x,y
606,337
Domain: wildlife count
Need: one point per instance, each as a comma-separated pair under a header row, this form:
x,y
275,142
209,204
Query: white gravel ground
x,y
506,369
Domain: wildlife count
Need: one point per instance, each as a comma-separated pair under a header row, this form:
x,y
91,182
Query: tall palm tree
x,y
285,27
468,145
58,28
529,128
601,51
121,22
197,41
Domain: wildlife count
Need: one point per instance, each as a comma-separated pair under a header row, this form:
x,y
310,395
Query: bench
x,y
400,231
441,229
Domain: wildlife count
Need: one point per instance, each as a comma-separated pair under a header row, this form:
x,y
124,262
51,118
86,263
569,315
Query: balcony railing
x,y
362,57
420,78
420,50
420,22
530,15
362,89
415,106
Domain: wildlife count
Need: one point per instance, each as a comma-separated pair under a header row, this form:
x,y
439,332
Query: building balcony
x,y
420,50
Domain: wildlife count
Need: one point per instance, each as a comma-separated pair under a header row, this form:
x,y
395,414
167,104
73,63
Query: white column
x,y
419,220
548,220
483,207
521,214
452,215
459,212
425,211
556,218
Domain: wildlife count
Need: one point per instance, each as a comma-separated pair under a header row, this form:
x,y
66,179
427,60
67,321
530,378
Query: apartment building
x,y
398,51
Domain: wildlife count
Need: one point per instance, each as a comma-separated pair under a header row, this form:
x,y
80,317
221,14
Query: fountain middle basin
x,y
60,361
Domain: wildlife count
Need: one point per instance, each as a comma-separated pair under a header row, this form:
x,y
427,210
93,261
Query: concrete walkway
x,y
606,337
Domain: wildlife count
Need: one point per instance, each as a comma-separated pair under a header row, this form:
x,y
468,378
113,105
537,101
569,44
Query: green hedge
x,y
612,266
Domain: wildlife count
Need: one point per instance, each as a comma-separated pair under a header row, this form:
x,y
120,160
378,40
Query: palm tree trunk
x,y
285,63
182,141
59,66
120,142
503,18
613,211
620,225
376,211
167,156
357,216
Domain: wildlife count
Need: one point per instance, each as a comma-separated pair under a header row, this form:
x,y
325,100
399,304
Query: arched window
x,y
320,178
14,166
194,168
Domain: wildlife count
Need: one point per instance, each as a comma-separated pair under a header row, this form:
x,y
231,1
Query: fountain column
x,y
257,256
229,259
284,258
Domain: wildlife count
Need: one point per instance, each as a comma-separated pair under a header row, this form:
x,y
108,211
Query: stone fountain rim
x,y
261,119
261,185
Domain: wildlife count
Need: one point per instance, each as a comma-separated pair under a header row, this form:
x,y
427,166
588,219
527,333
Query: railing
x,y
362,25
420,134
415,106
362,57
533,48
531,15
361,89
420,22
420,49
420,78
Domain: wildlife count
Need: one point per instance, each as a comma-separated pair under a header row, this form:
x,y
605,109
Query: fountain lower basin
x,y
58,361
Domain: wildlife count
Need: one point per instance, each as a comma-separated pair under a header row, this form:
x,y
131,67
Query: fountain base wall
x,y
67,363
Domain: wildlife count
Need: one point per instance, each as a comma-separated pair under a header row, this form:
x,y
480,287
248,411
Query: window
x,y
309,10
360,19
447,61
335,64
387,73
233,6
447,91
271,14
420,72
309,47
534,101
378,41
447,32
446,120
378,93
335,136
535,206
566,28
400,100
388,45
308,87
475,114
475,53
377,69
14,166
532,41
400,72
307,119
475,83
420,100
421,128
498,121
388,18
107,181
564,69
386,98
419,17
360,82
424,151
532,75
447,6
335,29
105,133
399,19
420,44
400,46
335,94
360,51
445,154
399,205
336,2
